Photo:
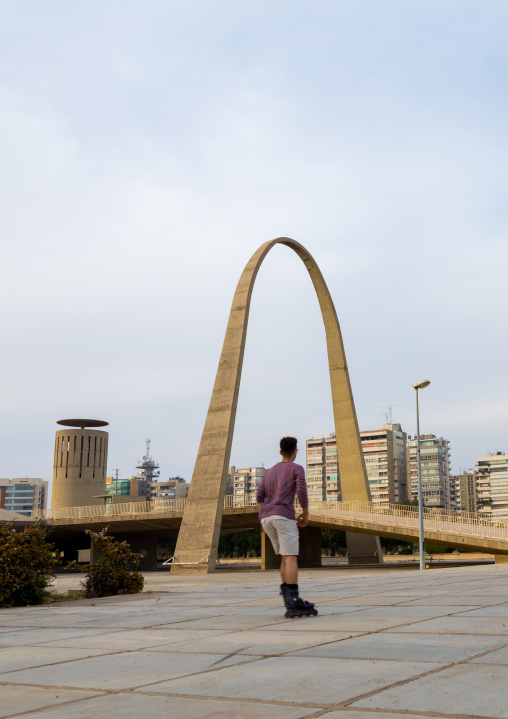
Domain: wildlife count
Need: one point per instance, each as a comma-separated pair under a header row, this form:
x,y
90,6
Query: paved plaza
x,y
387,643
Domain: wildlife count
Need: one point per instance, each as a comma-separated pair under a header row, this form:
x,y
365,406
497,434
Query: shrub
x,y
112,572
436,549
408,549
26,560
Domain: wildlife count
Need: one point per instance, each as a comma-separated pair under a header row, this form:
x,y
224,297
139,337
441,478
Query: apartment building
x,y
463,494
245,481
323,481
384,451
435,462
385,459
492,485
173,488
22,495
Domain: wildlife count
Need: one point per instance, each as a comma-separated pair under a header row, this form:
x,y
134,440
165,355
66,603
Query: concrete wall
x,y
79,467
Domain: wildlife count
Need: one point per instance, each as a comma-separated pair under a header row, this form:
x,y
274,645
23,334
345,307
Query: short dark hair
x,y
288,445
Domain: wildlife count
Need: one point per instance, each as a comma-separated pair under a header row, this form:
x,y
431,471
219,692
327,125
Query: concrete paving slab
x,y
128,706
497,592
451,600
300,680
119,671
235,623
75,621
13,658
260,642
352,714
499,656
375,600
44,635
350,622
459,625
137,639
9,630
469,689
403,613
406,647
499,611
16,700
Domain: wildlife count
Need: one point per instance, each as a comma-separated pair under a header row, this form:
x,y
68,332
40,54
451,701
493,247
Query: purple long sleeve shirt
x,y
277,489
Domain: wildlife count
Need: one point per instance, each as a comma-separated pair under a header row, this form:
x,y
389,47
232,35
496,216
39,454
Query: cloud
x,y
147,153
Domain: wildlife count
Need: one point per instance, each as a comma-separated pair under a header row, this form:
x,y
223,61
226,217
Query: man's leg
x,y
289,569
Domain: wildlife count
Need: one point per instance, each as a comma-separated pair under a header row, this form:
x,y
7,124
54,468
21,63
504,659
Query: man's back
x,y
278,488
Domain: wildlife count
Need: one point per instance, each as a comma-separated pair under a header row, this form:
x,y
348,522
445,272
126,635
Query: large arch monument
x,y
196,549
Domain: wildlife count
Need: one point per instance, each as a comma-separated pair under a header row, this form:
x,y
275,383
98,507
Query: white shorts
x,y
283,534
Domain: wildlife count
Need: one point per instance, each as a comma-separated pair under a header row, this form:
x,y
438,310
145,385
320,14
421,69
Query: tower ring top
x,y
82,423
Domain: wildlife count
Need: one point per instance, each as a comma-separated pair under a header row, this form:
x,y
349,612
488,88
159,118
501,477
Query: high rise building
x,y
23,495
385,459
463,495
229,481
384,451
323,481
492,485
245,481
435,462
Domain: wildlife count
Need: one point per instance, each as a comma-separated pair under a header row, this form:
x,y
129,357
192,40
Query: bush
x,y
112,572
408,549
436,549
26,561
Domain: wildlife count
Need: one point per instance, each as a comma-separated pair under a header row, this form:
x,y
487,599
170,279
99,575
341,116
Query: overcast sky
x,y
147,149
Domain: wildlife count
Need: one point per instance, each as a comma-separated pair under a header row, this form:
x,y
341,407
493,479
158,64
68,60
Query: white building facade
x,y
435,462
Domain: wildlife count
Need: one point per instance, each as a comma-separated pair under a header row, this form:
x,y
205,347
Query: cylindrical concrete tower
x,y
79,469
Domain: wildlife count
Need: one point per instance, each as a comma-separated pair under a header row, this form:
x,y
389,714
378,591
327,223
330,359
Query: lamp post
x,y
416,386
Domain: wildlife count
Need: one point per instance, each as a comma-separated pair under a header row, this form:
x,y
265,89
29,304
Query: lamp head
x,y
421,384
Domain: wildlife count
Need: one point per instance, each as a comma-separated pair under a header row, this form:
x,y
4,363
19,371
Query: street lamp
x,y
416,386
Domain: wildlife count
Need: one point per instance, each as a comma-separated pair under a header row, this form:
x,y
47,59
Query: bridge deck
x,y
164,517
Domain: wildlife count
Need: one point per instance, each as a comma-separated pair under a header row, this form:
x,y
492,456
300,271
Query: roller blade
x,y
299,613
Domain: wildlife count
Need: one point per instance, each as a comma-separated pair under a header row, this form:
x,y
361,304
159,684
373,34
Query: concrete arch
x,y
199,533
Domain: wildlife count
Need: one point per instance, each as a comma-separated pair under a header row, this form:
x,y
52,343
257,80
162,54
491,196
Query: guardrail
x,y
120,509
394,515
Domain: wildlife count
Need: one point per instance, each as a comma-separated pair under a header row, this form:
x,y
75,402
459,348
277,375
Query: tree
x,y
406,503
242,544
334,540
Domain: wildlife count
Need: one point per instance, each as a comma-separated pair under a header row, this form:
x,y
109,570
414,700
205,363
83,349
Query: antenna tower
x,y
389,414
147,467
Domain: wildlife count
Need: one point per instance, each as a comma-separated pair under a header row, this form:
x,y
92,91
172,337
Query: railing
x,y
400,518
120,509
392,516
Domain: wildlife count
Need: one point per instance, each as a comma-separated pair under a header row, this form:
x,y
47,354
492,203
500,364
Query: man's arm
x,y
260,495
301,493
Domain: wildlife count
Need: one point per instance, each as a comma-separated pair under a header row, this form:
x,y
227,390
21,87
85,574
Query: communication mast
x,y
389,414
147,467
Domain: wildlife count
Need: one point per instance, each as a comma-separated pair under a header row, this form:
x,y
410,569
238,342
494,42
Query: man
x,y
275,499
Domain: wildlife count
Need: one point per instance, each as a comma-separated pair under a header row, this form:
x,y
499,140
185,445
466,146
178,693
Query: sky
x,y
148,149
